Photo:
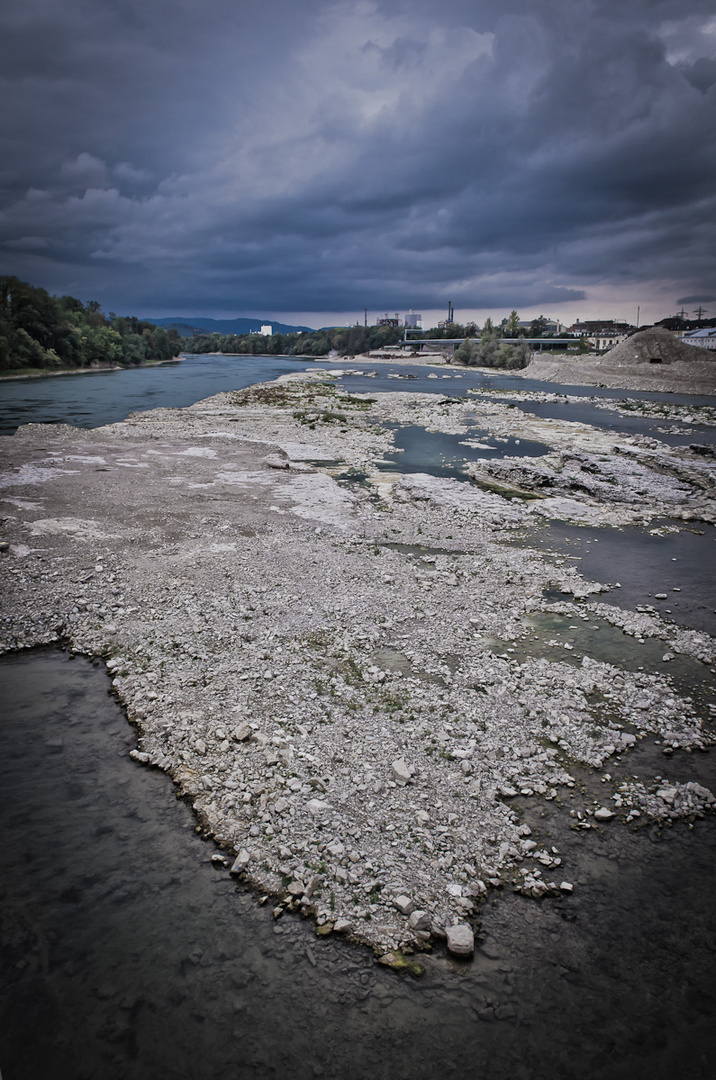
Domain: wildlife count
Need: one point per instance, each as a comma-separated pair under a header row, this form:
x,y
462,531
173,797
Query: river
x,y
125,954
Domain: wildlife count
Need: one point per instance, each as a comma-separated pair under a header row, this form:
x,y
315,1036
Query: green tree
x,y
512,326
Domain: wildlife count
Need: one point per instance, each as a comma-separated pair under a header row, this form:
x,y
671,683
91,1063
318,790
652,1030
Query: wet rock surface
x,y
314,661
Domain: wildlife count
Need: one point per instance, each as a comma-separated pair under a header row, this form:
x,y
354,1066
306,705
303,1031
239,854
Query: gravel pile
x,y
653,359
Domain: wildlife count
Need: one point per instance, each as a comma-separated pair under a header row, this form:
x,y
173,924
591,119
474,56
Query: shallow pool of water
x,y
124,955
418,450
569,638
645,562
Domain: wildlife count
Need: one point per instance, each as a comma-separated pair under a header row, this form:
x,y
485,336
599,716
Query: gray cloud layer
x,y
244,156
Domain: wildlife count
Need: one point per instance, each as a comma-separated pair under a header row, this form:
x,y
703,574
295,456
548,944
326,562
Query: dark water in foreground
x,y
124,955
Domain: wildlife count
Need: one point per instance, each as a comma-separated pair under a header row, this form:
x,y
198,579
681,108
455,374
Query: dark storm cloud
x,y
321,157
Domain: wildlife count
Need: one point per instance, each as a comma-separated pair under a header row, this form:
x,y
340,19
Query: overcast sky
x,y
307,160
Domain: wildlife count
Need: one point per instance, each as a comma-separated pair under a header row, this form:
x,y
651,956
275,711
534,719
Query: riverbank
x,y
682,377
35,373
336,664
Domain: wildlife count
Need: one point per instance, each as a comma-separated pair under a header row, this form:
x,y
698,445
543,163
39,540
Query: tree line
x,y
344,340
47,332
493,346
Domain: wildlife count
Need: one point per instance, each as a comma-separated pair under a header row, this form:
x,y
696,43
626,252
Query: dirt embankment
x,y
654,359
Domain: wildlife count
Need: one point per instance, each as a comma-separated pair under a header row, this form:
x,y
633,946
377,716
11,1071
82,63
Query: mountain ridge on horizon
x,y
187,326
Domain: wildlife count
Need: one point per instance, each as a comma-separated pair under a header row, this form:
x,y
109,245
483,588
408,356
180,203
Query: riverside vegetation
x,y
41,333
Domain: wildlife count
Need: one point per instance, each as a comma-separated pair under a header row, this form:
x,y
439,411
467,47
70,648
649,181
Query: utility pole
x,y
699,312
365,317
638,311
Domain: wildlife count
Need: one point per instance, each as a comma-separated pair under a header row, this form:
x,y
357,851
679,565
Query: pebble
x,y
404,904
419,920
402,771
460,940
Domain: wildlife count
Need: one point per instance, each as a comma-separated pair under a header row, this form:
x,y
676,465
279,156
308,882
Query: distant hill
x,y
188,326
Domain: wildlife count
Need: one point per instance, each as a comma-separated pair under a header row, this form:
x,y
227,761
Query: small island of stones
x,y
360,676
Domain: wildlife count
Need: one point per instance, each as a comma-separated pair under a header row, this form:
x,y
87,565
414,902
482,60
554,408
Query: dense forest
x,y
40,331
344,340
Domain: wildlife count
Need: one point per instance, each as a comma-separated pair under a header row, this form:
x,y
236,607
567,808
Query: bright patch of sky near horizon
x,y
304,162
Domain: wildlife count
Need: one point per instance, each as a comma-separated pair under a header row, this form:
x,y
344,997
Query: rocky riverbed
x,y
333,661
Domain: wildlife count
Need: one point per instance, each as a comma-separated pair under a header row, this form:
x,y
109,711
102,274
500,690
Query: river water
x,y
124,953
94,398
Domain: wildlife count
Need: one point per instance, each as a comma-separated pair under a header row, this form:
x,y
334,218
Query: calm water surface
x,y
104,397
124,955
440,454
95,398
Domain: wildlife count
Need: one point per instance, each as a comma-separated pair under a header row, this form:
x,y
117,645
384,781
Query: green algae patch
x,y
398,962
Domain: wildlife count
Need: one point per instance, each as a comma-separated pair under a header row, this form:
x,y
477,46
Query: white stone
x,y
401,770
241,861
460,940
419,920
603,814
404,904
